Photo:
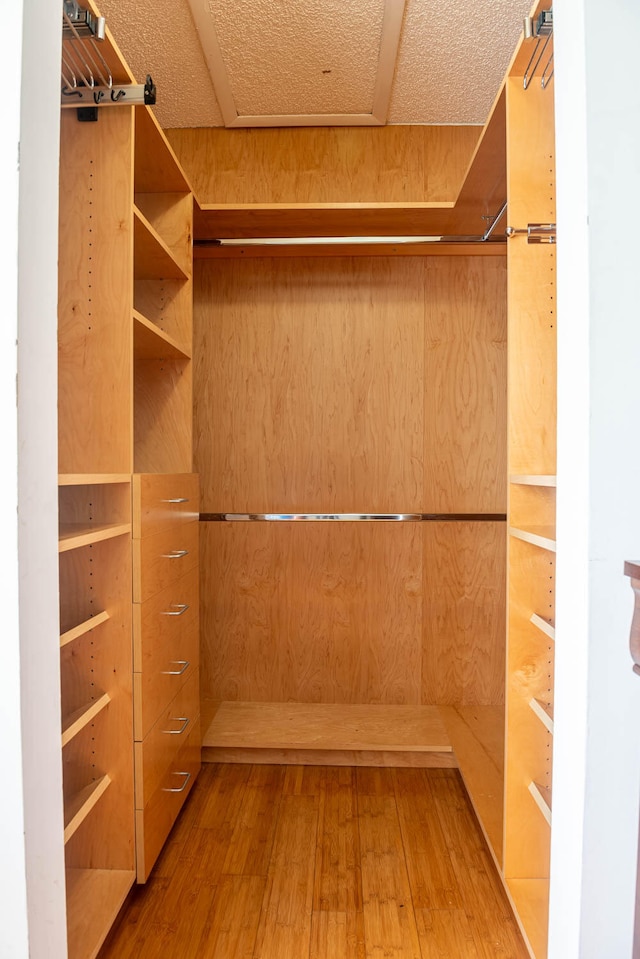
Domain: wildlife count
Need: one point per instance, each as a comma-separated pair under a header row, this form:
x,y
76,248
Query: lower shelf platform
x,y
531,900
327,734
477,735
94,899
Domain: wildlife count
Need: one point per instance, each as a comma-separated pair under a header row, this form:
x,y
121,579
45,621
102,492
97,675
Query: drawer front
x,y
154,822
162,558
165,649
164,740
161,500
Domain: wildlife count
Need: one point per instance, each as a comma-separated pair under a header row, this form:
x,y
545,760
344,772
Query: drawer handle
x,y
177,672
176,554
180,609
177,732
178,789
176,499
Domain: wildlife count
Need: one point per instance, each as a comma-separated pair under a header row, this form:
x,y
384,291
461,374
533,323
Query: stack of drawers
x,y
165,655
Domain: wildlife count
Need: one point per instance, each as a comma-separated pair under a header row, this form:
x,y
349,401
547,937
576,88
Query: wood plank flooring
x,y
321,862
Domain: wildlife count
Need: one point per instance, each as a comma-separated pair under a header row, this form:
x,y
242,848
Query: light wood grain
x,y
165,648
155,754
76,721
531,899
89,624
391,164
94,898
161,809
214,251
477,736
162,558
463,613
328,727
465,385
313,614
287,855
166,303
157,169
330,757
531,269
163,502
80,805
150,342
162,428
308,384
153,257
95,302
171,215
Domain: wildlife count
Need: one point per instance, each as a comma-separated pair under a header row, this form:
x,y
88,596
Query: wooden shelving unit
x,y
532,474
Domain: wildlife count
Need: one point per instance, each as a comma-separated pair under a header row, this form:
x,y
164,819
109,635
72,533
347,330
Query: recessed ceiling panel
x,y
453,58
301,57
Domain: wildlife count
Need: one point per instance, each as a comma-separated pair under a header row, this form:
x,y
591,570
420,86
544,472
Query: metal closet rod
x,y
350,517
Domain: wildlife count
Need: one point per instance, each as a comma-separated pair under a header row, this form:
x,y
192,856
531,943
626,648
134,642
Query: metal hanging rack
x,y
86,78
539,29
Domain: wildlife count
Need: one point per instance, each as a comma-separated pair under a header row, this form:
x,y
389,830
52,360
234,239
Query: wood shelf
x,y
477,737
94,899
92,479
82,628
543,626
542,797
77,535
157,168
79,807
152,258
328,734
152,343
543,712
77,721
531,900
542,536
533,480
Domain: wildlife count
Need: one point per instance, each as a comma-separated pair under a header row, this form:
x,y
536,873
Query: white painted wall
x,y
32,920
13,888
597,740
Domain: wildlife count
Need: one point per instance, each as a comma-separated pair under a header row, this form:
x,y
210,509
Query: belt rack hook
x,y
538,29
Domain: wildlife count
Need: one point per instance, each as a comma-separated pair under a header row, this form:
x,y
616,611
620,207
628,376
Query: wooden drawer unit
x,y
165,648
162,558
162,501
154,822
154,756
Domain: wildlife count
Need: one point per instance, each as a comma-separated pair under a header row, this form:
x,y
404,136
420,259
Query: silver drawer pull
x,y
177,732
176,554
177,499
177,672
179,609
178,789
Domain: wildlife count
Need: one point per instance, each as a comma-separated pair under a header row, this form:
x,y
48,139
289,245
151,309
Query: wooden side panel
x,y
314,612
465,385
308,385
163,416
464,613
531,292
95,295
325,165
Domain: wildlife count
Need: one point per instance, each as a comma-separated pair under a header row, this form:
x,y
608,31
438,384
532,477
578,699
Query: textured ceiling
x,y
451,59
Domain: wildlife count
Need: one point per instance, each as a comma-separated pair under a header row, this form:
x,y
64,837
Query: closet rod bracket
x,y
534,232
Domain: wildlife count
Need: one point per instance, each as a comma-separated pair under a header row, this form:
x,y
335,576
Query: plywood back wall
x,y
392,164
352,385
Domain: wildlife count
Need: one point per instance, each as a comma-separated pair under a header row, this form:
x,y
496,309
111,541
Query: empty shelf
x,y
76,722
79,807
544,626
94,898
543,712
77,631
152,257
77,535
533,480
542,796
542,536
152,343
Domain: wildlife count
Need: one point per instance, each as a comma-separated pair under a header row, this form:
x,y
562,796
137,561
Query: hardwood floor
x,y
312,862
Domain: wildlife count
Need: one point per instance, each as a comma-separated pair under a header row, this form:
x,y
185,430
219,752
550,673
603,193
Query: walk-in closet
x,y
307,472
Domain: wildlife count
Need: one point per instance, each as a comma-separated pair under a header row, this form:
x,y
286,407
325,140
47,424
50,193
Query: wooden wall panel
x,y
308,384
392,164
465,385
464,613
312,612
95,307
